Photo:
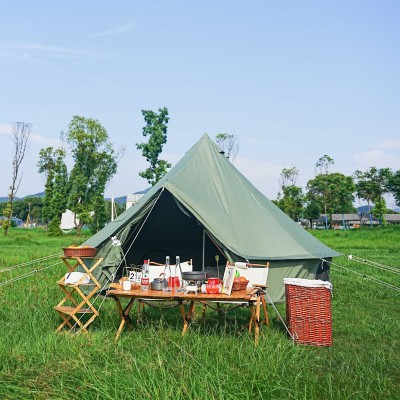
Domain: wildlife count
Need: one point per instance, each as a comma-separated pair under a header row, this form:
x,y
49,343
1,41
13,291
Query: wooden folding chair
x,y
257,275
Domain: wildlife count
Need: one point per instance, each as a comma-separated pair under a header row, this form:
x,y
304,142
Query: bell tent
x,y
204,209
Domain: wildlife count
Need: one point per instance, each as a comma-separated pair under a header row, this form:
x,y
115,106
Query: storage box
x,y
308,311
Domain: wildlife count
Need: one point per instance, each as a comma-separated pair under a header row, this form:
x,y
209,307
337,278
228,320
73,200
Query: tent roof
x,y
234,213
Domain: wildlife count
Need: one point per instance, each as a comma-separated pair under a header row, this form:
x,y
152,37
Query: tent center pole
x,y
204,246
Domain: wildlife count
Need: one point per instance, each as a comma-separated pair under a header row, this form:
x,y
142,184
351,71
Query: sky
x,y
292,80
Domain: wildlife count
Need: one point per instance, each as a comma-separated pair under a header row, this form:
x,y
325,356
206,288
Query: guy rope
x,y
29,264
364,275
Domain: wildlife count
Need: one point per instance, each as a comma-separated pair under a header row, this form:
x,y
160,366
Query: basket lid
x,y
307,282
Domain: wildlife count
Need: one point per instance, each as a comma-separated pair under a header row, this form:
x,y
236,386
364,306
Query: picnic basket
x,y
79,251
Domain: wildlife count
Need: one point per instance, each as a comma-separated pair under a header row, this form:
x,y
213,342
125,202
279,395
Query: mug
x,y
126,285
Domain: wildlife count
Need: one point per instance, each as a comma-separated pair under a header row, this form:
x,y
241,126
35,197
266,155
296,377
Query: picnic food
x,y
239,283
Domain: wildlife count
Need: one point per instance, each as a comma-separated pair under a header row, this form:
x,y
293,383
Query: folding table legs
x,y
187,316
124,314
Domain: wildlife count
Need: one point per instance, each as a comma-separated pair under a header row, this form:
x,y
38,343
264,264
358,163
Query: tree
x,y
25,206
322,165
372,184
51,163
312,211
95,164
289,176
156,130
394,186
20,134
292,200
322,168
228,144
334,192
379,210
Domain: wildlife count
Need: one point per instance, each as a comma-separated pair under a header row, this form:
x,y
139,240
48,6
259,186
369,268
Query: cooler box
x,y
308,311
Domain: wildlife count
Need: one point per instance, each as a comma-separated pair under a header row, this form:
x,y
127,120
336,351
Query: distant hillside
x,y
4,199
122,200
364,209
119,200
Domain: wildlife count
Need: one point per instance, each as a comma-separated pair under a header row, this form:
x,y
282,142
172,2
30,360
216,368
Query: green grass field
x,y
217,360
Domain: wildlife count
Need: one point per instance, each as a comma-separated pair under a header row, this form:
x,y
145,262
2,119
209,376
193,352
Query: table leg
x,y
264,305
187,316
191,310
257,321
124,314
252,317
183,313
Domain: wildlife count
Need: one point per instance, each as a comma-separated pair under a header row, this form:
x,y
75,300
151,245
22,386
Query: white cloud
x,y
5,129
391,144
25,48
37,138
376,158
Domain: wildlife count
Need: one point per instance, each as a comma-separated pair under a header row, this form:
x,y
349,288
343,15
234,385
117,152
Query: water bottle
x,y
145,275
167,278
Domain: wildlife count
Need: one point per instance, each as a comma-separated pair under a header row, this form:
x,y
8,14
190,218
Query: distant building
x,y
132,199
17,222
392,218
340,221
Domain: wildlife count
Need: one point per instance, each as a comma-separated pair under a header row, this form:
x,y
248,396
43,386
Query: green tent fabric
x,y
205,207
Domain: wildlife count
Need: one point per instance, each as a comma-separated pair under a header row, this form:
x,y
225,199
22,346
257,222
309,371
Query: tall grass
x,y
215,360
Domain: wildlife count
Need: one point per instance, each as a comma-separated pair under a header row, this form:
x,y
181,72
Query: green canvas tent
x,y
205,207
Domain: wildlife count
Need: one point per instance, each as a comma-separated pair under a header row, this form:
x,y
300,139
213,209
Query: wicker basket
x,y
86,251
308,312
239,285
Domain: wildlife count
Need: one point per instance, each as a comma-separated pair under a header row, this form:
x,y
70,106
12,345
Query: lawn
x,y
215,360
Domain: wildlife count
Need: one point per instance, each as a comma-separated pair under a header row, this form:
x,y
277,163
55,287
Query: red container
x,y
213,285
308,311
173,281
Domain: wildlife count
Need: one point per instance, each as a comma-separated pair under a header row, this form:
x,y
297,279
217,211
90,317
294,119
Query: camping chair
x,y
257,275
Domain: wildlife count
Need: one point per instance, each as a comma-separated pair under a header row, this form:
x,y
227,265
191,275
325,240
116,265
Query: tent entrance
x,y
170,230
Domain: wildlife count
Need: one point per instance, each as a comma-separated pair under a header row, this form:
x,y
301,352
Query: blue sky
x,y
293,80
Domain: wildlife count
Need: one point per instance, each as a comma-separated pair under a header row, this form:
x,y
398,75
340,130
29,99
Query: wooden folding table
x,y
252,297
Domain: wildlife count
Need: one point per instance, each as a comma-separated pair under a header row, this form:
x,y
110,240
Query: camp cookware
x,y
194,276
158,284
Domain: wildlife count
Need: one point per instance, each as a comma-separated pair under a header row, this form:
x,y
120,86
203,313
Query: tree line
x,y
334,193
81,189
95,162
